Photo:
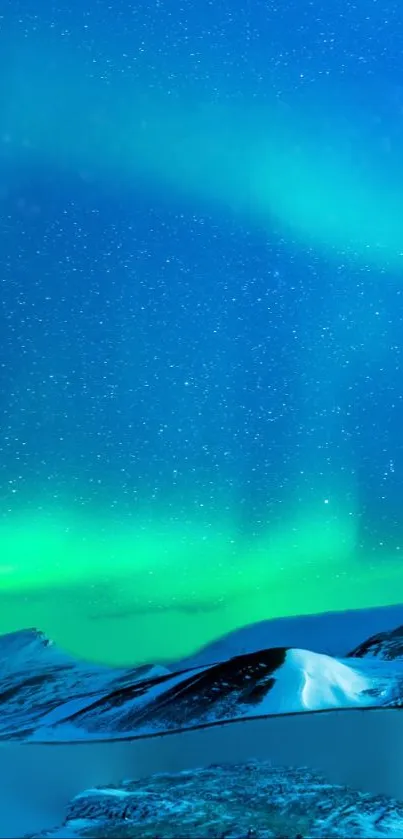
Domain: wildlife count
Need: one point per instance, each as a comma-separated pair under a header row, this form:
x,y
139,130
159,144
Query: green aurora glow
x,y
144,592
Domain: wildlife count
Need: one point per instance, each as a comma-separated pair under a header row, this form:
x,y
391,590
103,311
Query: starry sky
x,y
201,253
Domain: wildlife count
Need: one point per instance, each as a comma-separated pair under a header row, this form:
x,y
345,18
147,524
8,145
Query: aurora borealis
x,y
112,587
201,323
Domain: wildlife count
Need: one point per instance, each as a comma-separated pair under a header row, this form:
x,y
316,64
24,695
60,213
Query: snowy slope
x,y
266,682
309,681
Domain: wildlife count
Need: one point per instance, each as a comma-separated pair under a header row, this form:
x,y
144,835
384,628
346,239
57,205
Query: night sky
x,y
201,257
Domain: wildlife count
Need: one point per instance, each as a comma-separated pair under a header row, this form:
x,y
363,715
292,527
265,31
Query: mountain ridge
x,y
46,694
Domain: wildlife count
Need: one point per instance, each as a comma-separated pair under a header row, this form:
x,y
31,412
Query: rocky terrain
x,y
251,800
386,646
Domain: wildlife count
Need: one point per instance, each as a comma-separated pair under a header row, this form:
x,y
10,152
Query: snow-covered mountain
x,y
274,681
46,695
37,678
